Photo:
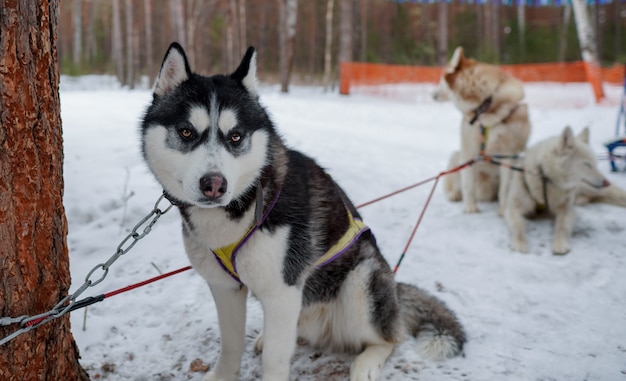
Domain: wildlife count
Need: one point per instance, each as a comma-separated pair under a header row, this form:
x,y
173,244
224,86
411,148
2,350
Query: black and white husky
x,y
259,216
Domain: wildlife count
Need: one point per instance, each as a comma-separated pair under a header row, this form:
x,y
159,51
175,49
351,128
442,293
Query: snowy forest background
x,y
128,38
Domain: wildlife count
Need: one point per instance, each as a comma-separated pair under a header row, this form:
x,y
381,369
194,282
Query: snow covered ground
x,y
527,317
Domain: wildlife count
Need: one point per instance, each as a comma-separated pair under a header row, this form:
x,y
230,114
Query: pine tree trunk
x,y
35,262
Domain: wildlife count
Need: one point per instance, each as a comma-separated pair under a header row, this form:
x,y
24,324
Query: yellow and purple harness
x,y
226,255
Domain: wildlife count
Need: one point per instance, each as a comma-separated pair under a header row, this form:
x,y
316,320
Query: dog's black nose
x,y
213,185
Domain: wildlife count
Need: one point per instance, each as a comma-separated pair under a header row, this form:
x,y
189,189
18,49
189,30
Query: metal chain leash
x,y
69,302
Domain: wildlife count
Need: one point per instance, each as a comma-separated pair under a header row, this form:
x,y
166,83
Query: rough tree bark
x,y
34,262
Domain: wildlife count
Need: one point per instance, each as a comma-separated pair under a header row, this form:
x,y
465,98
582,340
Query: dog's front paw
x,y
519,246
471,208
213,376
501,209
560,247
364,372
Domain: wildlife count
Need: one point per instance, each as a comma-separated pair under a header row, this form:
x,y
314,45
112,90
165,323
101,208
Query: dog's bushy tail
x,y
439,333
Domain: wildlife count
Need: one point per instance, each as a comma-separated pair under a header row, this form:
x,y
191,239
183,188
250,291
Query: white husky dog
x,y
555,171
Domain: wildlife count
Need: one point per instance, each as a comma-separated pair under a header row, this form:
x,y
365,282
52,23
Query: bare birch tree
x,y
345,30
288,22
77,28
243,41
232,41
442,36
521,26
91,44
147,14
116,43
130,45
330,4
177,16
588,46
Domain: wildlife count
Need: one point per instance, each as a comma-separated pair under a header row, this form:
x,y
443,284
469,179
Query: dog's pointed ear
x,y
567,139
583,135
174,70
246,72
456,60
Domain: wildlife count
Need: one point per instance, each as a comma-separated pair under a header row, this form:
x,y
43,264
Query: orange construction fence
x,y
358,73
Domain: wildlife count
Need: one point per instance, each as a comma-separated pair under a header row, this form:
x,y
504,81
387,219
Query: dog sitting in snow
x,y
489,100
258,216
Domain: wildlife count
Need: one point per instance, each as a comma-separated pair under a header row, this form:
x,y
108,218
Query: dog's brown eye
x,y
186,133
235,137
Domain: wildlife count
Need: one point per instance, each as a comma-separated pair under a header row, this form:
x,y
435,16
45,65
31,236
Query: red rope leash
x,y
456,169
145,282
396,192
430,196
96,299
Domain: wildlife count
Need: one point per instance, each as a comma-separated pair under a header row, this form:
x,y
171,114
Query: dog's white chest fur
x,y
259,259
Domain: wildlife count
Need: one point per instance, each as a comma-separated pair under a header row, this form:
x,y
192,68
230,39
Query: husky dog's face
x,y
572,163
458,83
205,138
443,92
